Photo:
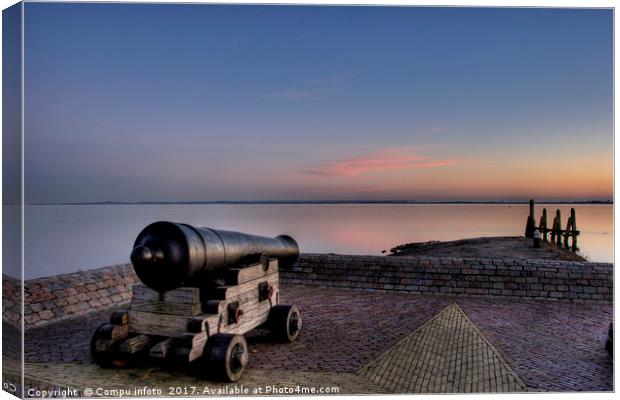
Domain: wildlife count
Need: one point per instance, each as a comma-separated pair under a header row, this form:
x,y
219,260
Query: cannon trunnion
x,y
226,291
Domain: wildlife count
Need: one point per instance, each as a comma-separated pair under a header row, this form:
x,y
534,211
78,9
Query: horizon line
x,y
351,201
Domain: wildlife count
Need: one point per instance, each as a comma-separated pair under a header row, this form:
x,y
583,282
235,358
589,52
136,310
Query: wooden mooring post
x,y
530,226
542,226
573,218
556,234
566,238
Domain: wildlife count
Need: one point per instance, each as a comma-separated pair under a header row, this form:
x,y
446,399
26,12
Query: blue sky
x,y
204,102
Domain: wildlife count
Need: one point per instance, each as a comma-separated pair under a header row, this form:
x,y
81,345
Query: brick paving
x,y
80,376
355,326
65,340
446,355
11,341
553,346
343,329
550,345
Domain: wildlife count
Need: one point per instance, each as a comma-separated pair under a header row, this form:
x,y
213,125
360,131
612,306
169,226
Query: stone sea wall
x,y
51,298
538,279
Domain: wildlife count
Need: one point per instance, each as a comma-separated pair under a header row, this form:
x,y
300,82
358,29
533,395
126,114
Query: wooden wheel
x,y
284,322
224,357
104,350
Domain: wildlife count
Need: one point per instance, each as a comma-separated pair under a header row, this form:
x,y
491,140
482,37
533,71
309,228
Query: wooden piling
x,y
575,232
530,226
569,225
543,225
555,234
557,228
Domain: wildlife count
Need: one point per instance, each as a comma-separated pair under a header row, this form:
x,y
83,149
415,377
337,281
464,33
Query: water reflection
x,y
63,239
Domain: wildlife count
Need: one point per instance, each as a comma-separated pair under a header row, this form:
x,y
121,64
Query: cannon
x,y
168,255
201,290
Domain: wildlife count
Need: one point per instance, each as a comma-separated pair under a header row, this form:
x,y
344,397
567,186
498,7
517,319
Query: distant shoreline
x,y
311,202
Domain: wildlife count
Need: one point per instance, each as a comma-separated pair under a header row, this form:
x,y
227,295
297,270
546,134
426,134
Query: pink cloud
x,y
396,158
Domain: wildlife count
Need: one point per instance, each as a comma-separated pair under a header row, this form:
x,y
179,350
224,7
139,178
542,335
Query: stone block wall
x,y
538,279
54,297
11,300
51,298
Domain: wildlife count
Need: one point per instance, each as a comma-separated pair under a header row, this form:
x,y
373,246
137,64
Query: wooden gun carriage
x,y
201,325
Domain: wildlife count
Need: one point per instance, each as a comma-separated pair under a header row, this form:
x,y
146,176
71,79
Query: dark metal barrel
x,y
168,255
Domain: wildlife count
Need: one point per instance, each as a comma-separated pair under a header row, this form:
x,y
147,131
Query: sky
x,y
138,102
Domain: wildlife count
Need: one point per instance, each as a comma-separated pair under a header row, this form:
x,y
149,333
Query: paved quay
x,y
446,354
374,342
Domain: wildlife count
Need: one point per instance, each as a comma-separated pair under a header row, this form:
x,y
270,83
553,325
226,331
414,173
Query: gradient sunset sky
x,y
137,102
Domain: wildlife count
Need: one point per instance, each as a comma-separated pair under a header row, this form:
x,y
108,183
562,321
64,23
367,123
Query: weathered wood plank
x,y
254,314
183,295
258,317
135,344
238,276
230,292
252,317
189,347
250,295
166,307
177,312
157,324
186,355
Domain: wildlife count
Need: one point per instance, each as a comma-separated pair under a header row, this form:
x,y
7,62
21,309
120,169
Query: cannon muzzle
x,y
168,255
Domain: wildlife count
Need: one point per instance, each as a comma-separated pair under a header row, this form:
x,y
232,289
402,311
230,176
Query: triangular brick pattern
x,y
448,354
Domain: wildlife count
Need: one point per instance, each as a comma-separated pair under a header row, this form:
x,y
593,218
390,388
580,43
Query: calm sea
x,y
62,239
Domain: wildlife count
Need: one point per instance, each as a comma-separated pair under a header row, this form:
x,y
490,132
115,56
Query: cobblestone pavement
x,y
353,326
64,341
46,376
11,341
446,355
553,346
345,330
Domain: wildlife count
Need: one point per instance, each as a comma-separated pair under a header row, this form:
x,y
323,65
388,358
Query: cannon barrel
x,y
168,255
